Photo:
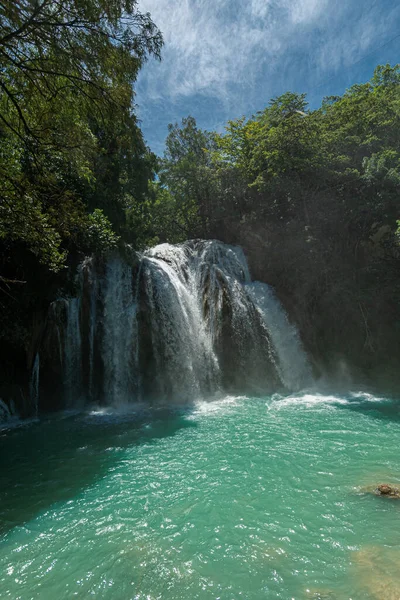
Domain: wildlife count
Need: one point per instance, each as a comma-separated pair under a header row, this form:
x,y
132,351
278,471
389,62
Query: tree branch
x,y
25,25
18,108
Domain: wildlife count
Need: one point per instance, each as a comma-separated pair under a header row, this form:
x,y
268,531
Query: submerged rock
x,y
321,594
377,571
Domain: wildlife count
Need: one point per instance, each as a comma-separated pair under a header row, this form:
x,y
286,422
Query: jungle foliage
x,y
276,163
313,197
73,161
70,145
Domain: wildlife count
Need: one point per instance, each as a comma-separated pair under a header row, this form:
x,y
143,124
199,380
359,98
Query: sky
x,y
223,59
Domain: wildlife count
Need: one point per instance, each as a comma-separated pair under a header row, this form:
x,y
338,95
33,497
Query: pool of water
x,y
238,498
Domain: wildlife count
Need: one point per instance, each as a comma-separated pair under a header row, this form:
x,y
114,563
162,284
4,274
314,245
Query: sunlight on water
x,y
238,498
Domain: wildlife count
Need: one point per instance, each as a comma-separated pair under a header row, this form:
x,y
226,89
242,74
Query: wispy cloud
x,y
239,53
210,44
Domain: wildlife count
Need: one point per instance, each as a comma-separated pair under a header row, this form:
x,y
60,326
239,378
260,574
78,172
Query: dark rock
x,y
389,491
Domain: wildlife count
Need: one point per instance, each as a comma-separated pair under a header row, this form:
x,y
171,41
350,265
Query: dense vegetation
x,y
312,196
72,157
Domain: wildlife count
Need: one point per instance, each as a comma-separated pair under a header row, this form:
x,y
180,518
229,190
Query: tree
x,y
93,48
313,198
66,110
187,172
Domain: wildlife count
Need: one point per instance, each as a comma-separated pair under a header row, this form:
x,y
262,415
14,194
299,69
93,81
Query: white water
x,y
120,334
72,375
184,353
184,323
292,363
5,412
93,283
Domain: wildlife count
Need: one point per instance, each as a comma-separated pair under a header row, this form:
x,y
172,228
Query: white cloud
x,y
210,44
224,58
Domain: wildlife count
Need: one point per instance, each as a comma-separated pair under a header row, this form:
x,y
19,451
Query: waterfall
x,y
136,354
6,412
72,372
186,364
173,324
34,385
91,282
120,336
292,363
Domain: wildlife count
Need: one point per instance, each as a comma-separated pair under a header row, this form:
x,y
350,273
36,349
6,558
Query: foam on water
x,y
205,407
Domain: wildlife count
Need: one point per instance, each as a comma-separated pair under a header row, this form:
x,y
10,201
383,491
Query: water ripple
x,y
240,498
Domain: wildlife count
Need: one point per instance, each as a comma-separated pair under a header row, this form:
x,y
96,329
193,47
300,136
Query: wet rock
x,y
389,491
386,490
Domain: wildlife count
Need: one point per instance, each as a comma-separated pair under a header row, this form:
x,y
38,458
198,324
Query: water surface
x,y
240,498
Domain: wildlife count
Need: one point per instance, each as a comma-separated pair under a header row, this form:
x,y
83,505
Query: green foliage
x,y
69,142
286,152
187,173
312,196
383,167
73,162
99,233
155,220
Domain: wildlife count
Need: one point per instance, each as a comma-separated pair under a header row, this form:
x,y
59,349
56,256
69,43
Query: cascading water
x,y
186,364
91,279
7,413
120,333
292,363
174,324
34,385
72,375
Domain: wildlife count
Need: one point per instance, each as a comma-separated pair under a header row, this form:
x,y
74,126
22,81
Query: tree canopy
x,y
70,143
313,197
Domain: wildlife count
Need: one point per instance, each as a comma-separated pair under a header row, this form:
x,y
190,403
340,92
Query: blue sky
x,y
226,58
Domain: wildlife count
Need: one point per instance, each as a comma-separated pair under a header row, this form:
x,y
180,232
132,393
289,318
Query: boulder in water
x,y
389,491
375,572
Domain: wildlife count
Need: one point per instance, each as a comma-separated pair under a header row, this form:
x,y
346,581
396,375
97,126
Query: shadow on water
x,y
56,459
387,409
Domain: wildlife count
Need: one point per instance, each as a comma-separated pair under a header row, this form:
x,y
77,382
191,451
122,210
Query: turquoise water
x,y
240,498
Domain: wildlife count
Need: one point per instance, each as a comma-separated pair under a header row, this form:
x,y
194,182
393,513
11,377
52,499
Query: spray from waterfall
x,y
292,363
